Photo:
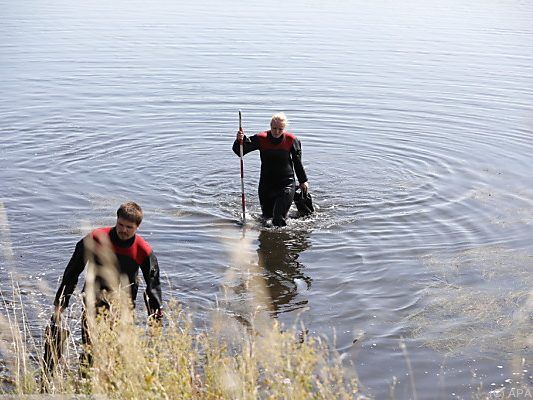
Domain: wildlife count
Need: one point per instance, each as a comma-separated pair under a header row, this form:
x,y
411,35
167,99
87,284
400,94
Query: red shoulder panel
x,y
143,249
266,144
100,232
138,251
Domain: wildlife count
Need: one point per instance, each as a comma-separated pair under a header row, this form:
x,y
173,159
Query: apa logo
x,y
511,393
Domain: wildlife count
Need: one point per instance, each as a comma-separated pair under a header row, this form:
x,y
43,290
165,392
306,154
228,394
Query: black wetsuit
x,y
280,159
132,254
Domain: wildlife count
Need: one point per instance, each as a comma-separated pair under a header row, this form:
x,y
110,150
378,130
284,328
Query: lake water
x,y
416,122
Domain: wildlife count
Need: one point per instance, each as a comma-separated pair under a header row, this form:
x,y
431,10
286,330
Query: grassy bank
x,y
132,360
236,355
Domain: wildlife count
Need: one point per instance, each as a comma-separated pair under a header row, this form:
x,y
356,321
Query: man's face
x,y
126,229
277,128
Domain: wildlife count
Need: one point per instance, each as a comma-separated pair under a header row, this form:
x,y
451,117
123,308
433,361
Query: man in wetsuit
x,y
281,157
132,252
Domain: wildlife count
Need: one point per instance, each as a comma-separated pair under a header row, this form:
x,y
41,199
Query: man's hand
x,y
240,135
304,187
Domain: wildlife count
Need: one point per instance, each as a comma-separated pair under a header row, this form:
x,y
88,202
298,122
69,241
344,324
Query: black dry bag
x,y
304,203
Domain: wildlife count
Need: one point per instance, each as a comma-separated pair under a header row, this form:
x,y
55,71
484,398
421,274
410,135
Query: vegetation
x,y
227,360
133,361
241,353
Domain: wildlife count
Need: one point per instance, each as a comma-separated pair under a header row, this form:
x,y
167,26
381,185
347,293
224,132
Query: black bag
x,y
304,203
55,339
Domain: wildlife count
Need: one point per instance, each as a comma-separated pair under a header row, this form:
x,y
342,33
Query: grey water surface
x,y
416,121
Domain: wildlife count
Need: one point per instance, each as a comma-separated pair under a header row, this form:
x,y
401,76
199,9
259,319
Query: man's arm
x,y
150,270
296,154
75,267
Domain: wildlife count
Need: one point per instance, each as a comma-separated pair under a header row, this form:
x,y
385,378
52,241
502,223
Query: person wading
x,y
131,252
281,157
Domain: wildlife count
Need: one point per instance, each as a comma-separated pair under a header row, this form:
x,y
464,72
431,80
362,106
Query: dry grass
x,y
132,359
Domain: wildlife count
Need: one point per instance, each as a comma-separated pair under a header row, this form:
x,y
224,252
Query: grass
x,y
177,361
131,359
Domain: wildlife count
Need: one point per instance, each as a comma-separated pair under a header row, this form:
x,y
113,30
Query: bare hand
x,y
240,135
304,187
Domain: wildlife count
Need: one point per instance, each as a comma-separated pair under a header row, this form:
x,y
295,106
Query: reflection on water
x,y
278,253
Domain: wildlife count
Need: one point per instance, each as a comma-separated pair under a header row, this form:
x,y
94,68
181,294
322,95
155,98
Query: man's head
x,y
129,217
278,123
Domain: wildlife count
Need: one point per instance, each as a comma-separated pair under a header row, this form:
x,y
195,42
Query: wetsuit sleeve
x,y
296,154
75,267
249,144
150,270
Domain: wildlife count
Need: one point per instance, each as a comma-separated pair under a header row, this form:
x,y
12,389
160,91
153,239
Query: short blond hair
x,y
281,117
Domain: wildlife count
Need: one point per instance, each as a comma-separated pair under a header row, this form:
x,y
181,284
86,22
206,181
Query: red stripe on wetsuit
x,y
266,144
138,251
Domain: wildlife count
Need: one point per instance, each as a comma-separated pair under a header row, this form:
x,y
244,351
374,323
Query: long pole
x,y
241,151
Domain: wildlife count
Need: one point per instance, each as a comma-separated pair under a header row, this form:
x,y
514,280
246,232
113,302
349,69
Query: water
x,y
416,121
